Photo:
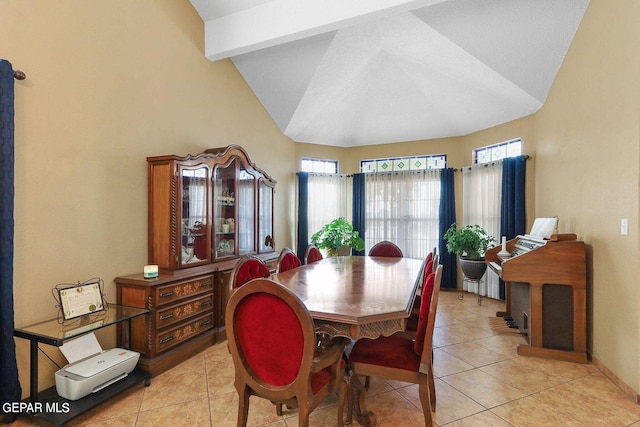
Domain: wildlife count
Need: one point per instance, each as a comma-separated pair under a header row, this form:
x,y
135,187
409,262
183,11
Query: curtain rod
x,y
19,75
526,157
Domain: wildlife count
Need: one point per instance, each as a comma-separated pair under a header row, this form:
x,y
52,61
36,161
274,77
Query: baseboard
x,y
617,381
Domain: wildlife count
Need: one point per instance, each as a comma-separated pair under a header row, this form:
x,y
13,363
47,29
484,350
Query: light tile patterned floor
x,y
480,381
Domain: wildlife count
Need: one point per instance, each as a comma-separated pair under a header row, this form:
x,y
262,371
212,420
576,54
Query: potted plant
x,y
470,243
337,234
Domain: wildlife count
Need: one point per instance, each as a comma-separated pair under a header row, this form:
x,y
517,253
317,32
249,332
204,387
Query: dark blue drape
x,y
447,217
303,218
10,390
512,209
358,206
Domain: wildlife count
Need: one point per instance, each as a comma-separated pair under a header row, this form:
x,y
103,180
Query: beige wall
x,y
587,142
110,83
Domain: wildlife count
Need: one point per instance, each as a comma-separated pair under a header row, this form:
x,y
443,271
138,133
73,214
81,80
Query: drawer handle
x,y
203,284
205,322
167,339
167,316
167,294
205,303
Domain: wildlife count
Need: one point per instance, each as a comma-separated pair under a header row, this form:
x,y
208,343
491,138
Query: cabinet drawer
x,y
170,315
184,331
175,291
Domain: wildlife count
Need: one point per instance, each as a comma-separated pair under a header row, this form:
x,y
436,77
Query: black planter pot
x,y
473,269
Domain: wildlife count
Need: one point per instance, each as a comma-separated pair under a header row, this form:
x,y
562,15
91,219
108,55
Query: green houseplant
x,y
470,243
337,234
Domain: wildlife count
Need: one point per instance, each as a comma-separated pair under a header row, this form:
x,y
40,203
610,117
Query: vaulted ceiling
x,y
362,72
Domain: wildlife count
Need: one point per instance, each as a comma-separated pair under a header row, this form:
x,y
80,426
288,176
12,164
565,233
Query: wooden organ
x,y
546,294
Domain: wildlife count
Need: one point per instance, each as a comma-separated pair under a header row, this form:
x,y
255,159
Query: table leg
x,y
33,371
358,392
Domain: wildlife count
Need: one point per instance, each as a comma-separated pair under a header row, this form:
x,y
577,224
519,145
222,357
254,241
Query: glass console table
x,y
52,332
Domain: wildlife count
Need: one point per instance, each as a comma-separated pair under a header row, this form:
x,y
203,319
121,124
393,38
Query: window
x,y
403,208
400,164
319,166
327,200
498,151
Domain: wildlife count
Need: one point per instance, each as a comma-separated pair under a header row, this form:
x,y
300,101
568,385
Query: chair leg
x,y
432,389
303,417
425,401
243,407
343,397
279,409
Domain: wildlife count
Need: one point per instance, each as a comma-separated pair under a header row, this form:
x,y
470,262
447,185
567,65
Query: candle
x,y
150,271
504,244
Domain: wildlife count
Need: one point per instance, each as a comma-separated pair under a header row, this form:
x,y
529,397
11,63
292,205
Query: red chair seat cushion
x,y
251,269
392,352
425,304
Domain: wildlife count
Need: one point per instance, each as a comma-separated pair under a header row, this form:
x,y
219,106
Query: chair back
x,y
312,254
287,260
386,248
423,344
248,268
271,339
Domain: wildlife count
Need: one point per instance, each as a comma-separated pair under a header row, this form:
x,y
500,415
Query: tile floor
x,y
480,381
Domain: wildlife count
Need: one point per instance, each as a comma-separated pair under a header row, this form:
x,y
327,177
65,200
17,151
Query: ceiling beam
x,y
281,21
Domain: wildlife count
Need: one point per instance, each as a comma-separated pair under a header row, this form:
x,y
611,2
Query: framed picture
x,y
76,301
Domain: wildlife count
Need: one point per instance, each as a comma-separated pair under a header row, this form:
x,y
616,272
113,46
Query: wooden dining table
x,y
357,297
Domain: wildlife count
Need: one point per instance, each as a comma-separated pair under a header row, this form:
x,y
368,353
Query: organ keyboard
x,y
545,291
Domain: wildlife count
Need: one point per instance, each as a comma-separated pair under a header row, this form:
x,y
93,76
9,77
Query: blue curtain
x,y
447,217
512,208
303,217
10,390
358,206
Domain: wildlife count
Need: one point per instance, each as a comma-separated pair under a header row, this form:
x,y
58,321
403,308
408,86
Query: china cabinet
x,y
205,211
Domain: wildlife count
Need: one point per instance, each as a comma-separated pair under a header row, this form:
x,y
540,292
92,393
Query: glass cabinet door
x,y
194,234
246,212
265,221
224,210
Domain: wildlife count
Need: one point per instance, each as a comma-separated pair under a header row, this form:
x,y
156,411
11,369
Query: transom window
x,y
396,164
319,166
498,151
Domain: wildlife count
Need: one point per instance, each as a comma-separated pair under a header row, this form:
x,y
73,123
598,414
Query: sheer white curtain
x,y
327,200
481,195
403,207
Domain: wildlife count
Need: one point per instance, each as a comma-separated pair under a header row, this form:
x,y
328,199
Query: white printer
x,y
93,373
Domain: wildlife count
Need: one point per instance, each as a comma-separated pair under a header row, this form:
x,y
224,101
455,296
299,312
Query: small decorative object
x,y
504,253
470,243
150,271
337,234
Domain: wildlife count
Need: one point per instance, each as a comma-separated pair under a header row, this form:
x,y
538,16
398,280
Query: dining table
x,y
357,297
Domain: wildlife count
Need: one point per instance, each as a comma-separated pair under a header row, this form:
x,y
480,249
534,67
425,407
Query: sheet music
x,y
544,227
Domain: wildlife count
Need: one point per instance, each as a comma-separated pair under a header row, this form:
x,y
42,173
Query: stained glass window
x,y
397,164
499,151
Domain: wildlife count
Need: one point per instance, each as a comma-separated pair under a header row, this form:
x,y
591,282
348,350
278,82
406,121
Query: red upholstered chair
x,y
248,268
272,342
312,254
386,248
399,358
287,260
412,322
